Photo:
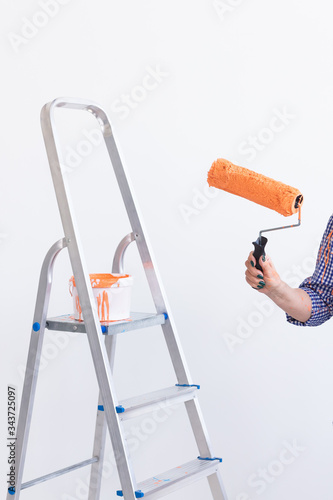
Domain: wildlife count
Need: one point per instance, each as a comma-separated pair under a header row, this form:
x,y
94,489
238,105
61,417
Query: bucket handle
x,y
71,285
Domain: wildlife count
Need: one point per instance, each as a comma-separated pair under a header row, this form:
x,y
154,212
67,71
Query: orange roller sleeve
x,y
255,187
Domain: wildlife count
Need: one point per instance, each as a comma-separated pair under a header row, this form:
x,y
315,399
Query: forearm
x,y
294,301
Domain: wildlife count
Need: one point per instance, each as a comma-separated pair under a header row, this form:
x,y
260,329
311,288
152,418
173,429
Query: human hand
x,y
266,282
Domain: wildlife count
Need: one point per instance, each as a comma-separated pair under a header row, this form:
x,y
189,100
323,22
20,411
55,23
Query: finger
x,y
267,266
251,258
254,285
255,274
250,263
255,281
253,270
250,282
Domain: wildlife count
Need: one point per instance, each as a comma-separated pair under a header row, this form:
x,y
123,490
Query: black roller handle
x,y
259,250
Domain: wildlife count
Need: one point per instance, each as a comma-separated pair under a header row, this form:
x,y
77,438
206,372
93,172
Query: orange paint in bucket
x,y
112,293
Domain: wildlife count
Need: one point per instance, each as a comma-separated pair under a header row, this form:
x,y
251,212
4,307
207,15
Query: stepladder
x,y
102,339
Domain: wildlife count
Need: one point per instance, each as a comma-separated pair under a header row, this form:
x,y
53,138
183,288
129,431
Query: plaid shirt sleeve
x,y
320,285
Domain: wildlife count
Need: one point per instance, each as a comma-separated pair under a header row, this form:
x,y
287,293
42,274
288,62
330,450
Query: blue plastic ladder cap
x,y
166,316
120,409
100,407
187,385
104,329
138,494
210,459
11,490
36,327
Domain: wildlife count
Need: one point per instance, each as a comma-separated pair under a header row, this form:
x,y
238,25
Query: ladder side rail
x,y
110,344
33,362
217,487
100,431
93,327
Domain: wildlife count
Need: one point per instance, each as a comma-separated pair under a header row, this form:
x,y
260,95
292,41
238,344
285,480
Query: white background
x,y
227,70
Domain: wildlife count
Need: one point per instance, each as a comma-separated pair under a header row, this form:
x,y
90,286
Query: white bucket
x,y
112,293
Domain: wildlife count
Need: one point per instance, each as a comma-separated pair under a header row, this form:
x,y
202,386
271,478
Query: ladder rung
x,y
58,473
145,403
174,479
67,323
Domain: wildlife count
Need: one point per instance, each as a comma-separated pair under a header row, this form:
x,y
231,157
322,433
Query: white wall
x,y
224,73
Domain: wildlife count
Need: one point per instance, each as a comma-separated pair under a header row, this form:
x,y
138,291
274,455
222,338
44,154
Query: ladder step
x,y
59,472
133,407
174,479
137,321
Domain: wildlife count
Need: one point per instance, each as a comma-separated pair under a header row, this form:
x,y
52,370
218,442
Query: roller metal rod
x,y
283,227
58,473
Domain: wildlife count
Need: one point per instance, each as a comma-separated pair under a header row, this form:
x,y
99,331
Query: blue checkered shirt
x,y
320,285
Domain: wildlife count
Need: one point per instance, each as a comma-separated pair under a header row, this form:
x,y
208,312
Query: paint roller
x,y
260,189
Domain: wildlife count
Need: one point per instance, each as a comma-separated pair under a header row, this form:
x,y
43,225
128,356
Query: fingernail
x,y
252,263
260,287
264,258
259,276
262,283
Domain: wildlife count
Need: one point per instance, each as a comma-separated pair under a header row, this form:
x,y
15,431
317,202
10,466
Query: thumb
x,y
265,263
268,267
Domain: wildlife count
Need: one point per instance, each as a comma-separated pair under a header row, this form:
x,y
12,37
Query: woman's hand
x,y
294,301
265,282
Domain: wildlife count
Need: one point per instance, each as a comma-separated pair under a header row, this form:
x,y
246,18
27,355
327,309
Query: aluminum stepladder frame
x,y
102,354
